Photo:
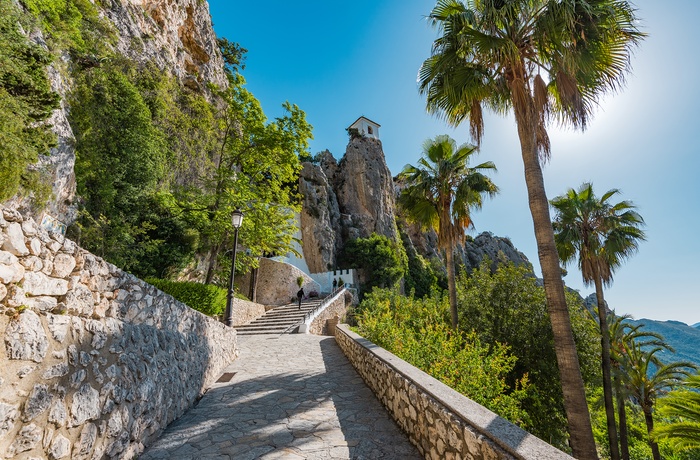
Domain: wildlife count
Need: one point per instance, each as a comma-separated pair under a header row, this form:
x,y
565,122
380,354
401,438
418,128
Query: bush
x,y
419,332
205,298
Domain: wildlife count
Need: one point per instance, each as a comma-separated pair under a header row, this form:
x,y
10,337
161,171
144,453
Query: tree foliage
x,y
601,235
419,332
382,259
681,414
440,193
544,60
508,306
26,101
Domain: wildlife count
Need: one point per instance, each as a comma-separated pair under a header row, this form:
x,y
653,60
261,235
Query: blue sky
x,y
340,60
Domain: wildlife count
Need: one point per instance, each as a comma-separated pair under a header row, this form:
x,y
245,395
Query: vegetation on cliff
x,y
26,102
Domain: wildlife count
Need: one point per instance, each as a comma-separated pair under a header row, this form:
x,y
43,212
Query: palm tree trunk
x,y
579,421
449,257
622,418
605,367
650,427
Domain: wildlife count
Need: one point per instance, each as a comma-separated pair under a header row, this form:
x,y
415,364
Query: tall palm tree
x,y
683,405
440,193
647,378
600,235
545,60
623,335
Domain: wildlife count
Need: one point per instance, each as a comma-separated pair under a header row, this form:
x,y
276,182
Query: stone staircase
x,y
280,320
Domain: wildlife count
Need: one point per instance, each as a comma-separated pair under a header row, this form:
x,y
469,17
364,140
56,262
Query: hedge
x,y
205,298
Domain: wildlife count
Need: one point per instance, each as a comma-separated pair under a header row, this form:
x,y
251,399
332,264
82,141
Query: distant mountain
x,y
696,325
685,339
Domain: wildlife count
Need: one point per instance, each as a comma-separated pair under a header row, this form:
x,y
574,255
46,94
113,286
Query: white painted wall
x,y
364,127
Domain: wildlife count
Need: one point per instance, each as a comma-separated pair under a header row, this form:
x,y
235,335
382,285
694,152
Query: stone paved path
x,y
292,397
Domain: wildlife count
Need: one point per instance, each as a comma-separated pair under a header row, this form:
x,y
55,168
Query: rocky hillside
x,y
356,196
176,36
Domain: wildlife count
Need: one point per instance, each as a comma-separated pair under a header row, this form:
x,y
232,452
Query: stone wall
x,y
94,362
441,422
336,310
277,282
244,311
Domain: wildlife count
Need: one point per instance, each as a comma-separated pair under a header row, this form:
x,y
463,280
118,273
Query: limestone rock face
x,y
365,191
320,219
177,36
496,248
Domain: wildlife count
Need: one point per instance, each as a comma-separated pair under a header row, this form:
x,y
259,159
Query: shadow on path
x,y
293,396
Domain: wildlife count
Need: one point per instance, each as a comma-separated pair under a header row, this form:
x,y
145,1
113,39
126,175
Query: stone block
x,y
11,270
85,406
27,439
14,242
63,265
25,338
39,401
35,246
37,284
60,447
41,303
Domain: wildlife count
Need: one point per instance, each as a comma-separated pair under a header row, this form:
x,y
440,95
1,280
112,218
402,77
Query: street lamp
x,y
236,220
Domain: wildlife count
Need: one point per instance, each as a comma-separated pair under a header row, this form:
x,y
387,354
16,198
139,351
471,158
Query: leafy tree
x,y
382,259
420,276
493,54
682,406
647,378
26,102
601,235
441,192
507,306
419,332
622,336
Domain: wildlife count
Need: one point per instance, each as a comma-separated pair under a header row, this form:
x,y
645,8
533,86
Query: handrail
x,y
330,297
324,303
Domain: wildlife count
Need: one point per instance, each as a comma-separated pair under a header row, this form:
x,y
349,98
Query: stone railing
x,y
334,306
441,422
95,363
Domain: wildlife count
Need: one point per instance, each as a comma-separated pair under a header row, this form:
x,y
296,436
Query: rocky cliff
x,y
356,197
175,35
345,200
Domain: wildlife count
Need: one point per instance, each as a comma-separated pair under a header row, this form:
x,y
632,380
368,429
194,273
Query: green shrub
x,y
205,298
419,332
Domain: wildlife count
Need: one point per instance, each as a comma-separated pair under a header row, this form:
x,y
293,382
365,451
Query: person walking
x,y
335,284
300,295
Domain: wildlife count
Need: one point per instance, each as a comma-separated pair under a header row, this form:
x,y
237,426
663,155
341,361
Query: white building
x,y
366,127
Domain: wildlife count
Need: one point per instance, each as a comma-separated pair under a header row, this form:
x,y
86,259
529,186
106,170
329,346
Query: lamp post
x,y
236,220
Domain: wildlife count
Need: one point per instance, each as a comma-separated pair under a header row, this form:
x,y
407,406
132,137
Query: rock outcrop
x,y
177,36
365,191
320,219
345,200
356,197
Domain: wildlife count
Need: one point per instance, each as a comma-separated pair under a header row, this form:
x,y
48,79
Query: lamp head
x,y
237,218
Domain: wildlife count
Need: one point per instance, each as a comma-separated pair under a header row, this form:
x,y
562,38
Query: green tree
x,y
493,54
441,192
622,336
382,259
682,407
419,332
26,101
647,379
508,306
601,235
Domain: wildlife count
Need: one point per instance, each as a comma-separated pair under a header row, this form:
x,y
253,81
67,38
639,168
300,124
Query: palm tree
x,y
440,193
683,405
647,378
545,60
622,336
601,235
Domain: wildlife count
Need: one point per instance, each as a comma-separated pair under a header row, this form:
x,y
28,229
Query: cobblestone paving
x,y
292,397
